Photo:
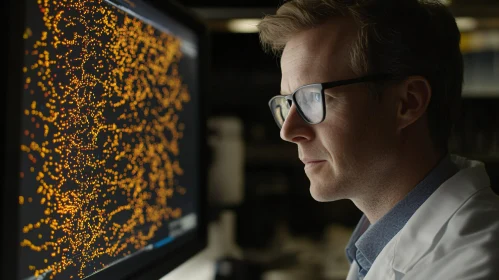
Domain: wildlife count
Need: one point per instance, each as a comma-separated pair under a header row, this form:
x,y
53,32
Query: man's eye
x,y
317,96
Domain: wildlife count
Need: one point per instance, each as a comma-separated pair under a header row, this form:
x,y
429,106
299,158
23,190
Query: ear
x,y
414,97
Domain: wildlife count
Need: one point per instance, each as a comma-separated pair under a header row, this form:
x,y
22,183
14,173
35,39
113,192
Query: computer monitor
x,y
104,140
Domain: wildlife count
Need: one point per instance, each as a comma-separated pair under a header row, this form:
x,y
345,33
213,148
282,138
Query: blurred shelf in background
x,y
276,190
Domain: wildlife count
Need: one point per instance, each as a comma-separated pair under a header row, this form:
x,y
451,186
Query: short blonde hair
x,y
396,37
299,15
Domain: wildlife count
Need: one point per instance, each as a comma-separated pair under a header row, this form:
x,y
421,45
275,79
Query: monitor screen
x,y
109,169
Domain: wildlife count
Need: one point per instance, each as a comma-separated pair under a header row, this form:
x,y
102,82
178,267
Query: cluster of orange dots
x,y
106,95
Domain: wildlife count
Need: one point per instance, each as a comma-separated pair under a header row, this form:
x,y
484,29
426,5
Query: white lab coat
x,y
454,235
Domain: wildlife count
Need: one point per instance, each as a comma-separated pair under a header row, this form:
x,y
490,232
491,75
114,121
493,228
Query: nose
x,y
295,129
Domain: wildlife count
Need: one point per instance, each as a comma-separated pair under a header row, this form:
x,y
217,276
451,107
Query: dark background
x,y
243,78
276,191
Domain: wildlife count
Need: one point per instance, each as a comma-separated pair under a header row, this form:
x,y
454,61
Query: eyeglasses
x,y
310,100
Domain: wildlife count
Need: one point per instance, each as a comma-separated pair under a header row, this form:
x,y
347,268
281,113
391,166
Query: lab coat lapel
x,y
353,272
422,229
418,234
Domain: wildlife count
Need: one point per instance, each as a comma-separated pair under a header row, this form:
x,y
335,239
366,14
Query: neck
x,y
409,168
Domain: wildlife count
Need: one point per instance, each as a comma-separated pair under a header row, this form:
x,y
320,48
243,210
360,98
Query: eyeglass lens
x,y
309,102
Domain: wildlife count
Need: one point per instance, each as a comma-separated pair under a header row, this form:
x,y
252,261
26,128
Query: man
x,y
369,93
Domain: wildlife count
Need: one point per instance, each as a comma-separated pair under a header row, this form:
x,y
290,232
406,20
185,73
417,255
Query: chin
x,y
324,193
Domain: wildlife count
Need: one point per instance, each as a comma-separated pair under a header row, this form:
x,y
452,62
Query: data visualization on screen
x,y
109,128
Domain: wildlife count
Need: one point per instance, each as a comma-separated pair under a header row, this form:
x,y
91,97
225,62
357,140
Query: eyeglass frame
x,y
324,86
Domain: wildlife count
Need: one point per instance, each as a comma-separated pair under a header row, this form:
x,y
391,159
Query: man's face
x,y
349,153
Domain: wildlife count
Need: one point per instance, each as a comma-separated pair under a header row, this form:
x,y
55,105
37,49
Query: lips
x,y
309,161
312,163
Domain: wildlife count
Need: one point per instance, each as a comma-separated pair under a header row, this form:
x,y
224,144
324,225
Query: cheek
x,y
340,131
382,124
351,131
337,115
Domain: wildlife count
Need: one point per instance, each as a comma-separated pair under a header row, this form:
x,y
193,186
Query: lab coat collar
x,y
420,231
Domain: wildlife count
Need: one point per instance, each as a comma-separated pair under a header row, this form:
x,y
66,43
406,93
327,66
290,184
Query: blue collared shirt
x,y
367,240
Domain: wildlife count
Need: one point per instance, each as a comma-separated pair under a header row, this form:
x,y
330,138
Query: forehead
x,y
320,54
